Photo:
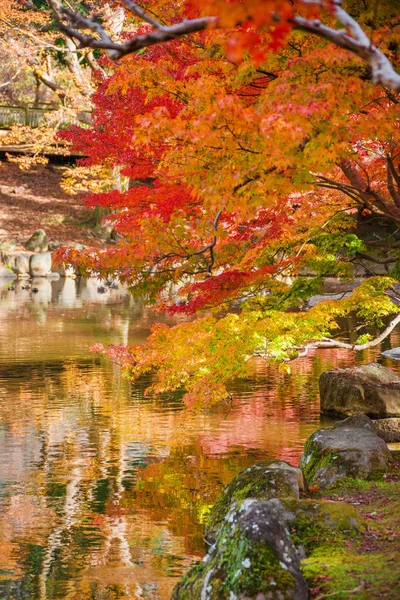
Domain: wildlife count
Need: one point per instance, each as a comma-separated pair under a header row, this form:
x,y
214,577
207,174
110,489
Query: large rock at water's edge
x,y
253,559
40,264
37,242
371,389
264,480
350,449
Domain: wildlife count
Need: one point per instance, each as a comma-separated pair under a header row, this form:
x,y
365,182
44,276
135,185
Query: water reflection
x,y
103,492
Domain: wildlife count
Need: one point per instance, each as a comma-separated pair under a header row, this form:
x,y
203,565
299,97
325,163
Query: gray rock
x,y
75,245
264,480
37,242
350,449
388,429
21,266
14,190
371,389
393,353
40,264
359,421
8,259
253,558
52,246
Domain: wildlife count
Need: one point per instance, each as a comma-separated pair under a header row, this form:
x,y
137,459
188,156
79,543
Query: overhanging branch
x,y
352,38
329,343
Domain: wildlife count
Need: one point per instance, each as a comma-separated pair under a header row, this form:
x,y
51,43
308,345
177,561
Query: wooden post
x,y
26,107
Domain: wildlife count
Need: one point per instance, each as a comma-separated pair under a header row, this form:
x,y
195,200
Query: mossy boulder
x,y
264,480
350,449
253,558
38,241
371,389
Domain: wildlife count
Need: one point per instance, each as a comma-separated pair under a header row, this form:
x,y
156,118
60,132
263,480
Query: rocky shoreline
x,y
328,528
36,259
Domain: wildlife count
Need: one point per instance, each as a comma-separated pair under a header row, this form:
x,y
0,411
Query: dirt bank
x,y
33,199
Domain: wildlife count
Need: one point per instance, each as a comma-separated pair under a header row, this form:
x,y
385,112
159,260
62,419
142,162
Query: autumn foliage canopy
x,y
251,152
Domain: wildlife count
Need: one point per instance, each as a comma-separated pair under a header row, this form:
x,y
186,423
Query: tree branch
x,y
378,261
391,187
52,85
118,50
142,15
13,77
352,38
329,343
358,43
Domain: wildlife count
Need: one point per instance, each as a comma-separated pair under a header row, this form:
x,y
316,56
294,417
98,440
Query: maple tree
x,y
254,151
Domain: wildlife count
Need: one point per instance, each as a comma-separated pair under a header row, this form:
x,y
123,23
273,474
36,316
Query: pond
x,y
104,492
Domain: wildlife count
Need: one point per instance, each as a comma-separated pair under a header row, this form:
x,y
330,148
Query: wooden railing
x,y
27,114
34,116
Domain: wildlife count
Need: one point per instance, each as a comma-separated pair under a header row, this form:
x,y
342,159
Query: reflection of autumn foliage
x,y
24,520
108,489
181,489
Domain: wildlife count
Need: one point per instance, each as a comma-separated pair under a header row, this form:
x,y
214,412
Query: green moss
x,y
237,565
347,485
359,564
260,482
349,574
263,574
321,523
314,459
190,584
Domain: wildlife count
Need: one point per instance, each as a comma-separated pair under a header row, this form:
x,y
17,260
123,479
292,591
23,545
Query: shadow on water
x,y
103,491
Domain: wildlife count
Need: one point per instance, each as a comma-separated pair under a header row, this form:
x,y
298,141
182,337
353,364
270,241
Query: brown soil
x,y
33,199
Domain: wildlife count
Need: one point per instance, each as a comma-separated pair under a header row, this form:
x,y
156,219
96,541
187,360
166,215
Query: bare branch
x,y
393,171
330,343
52,85
13,77
371,344
77,19
118,50
142,15
390,185
353,174
358,43
352,38
379,261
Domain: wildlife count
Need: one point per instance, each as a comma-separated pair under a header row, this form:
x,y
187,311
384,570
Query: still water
x,y
104,492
